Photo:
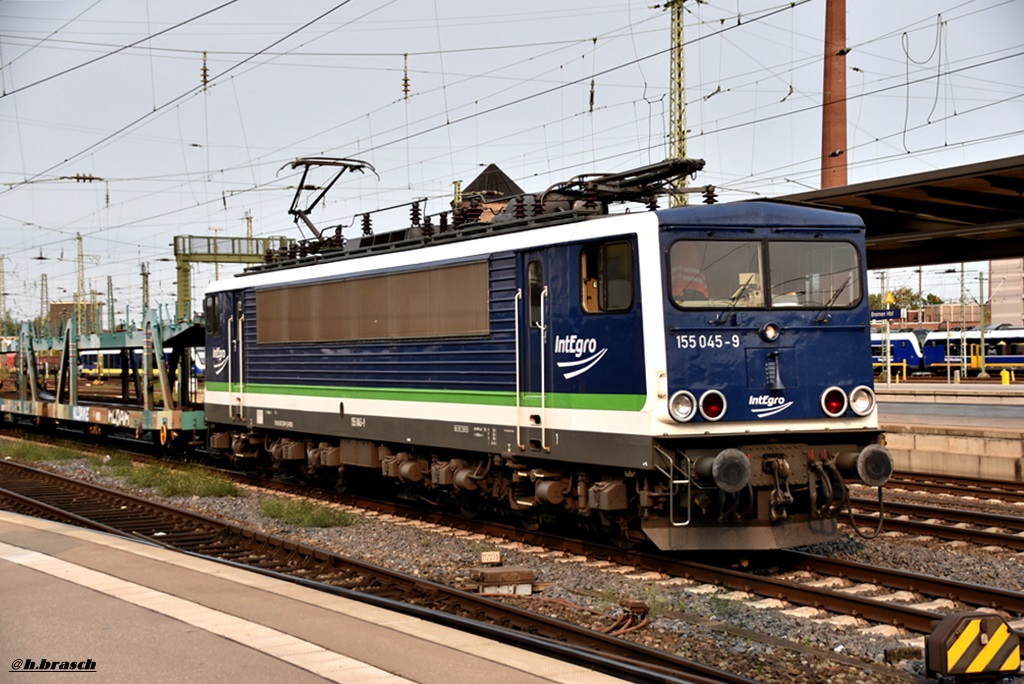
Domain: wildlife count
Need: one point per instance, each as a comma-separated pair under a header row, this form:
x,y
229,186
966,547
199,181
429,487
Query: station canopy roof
x,y
966,213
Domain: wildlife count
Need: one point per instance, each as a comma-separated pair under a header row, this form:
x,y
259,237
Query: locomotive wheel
x,y
528,521
170,442
621,541
616,530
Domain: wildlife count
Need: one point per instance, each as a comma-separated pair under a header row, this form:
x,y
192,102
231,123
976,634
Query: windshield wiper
x,y
825,316
721,318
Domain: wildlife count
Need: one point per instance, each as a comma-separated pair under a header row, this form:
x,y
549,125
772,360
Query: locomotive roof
x,y
451,247
571,202
757,213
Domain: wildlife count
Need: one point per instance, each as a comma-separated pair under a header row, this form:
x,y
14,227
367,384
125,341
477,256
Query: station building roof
x,y
966,213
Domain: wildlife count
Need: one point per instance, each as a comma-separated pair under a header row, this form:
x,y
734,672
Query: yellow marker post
x,y
972,644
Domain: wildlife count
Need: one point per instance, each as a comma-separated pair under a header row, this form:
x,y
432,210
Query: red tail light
x,y
712,405
833,402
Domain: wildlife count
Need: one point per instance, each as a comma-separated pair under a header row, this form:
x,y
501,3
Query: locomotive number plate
x,y
710,341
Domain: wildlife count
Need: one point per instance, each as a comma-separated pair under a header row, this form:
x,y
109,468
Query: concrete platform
x,y
989,394
959,430
73,599
988,454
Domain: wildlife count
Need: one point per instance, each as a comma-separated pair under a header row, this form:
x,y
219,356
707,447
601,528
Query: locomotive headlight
x,y
862,400
682,406
770,332
712,405
833,402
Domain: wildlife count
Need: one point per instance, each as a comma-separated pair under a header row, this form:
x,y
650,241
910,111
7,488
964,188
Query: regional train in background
x,y
696,376
940,351
100,364
905,349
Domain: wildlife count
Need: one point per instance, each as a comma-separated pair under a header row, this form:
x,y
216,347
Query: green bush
x,y
117,464
305,514
176,481
32,452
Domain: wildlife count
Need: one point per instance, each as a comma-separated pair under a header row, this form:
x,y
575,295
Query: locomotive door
x,y
533,314
223,350
226,351
236,333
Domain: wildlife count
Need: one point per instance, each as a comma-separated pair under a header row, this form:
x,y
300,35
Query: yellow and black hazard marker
x,y
972,644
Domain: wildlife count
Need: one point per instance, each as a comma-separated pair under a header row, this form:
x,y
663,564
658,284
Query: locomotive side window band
x,y
716,273
450,301
814,274
607,277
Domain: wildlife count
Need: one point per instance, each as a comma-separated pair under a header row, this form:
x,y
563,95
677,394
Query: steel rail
x,y
952,515
913,619
949,532
1002,490
965,592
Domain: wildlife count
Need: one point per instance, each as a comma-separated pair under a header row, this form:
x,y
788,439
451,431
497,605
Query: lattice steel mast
x,y
676,94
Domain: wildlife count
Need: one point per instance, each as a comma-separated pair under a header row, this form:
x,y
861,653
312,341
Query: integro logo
x,y
577,347
220,359
767,405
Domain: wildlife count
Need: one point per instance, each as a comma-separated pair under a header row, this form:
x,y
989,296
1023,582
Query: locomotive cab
x,y
768,392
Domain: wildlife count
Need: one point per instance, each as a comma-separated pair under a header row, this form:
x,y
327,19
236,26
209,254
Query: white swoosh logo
x,y
771,410
587,364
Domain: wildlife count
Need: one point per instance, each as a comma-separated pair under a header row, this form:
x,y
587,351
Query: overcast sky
x,y
113,90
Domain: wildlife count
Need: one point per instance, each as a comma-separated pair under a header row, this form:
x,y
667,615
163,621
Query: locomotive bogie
x,y
477,476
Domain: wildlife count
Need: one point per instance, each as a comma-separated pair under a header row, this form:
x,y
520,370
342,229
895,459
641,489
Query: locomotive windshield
x,y
717,273
814,274
714,273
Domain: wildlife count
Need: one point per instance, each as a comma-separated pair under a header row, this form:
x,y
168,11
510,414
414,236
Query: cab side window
x,y
606,271
211,314
535,277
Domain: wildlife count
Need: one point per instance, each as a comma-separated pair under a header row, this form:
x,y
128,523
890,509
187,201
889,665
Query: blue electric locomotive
x,y
698,376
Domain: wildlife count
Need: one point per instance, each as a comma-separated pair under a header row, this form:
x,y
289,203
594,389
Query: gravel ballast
x,y
747,635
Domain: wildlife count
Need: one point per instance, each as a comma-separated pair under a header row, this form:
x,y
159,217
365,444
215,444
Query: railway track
x,y
832,588
35,492
792,587
942,522
1000,490
787,586
798,584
